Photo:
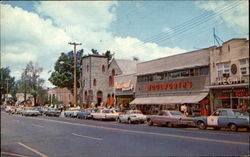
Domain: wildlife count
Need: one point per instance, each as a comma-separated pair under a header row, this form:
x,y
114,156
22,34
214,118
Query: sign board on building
x,y
228,80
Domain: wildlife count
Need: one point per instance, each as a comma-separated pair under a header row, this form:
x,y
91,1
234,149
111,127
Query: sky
x,y
39,31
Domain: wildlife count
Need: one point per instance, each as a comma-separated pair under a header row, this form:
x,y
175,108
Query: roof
x,y
175,62
233,39
127,66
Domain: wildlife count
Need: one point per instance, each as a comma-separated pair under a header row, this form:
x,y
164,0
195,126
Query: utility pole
x,y
75,94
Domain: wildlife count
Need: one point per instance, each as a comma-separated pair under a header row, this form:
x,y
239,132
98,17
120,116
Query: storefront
x,y
230,75
173,82
124,90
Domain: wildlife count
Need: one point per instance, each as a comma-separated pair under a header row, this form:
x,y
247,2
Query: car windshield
x,y
240,113
176,113
136,112
106,111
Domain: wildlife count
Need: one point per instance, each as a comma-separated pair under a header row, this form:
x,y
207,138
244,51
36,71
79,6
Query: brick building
x,y
60,94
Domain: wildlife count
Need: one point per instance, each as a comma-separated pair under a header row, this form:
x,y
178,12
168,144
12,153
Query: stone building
x,y
170,82
98,79
94,79
229,65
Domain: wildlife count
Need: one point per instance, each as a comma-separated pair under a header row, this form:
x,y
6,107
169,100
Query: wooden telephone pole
x,y
74,53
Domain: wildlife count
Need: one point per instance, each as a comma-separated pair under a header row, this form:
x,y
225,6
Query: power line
x,y
189,24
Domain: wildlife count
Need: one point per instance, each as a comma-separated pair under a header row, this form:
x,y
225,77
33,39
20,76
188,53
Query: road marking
x,y
37,125
14,154
33,150
145,132
95,138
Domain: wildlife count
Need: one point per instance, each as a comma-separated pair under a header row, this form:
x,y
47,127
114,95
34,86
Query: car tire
x,y
129,121
150,123
169,124
118,120
233,127
202,125
217,128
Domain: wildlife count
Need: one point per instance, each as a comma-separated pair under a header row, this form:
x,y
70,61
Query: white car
x,y
29,111
72,112
132,116
105,114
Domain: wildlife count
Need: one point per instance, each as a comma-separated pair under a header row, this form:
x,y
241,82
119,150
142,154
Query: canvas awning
x,y
177,99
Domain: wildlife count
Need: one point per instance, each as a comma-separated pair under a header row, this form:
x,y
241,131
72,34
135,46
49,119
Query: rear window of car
x,y
240,113
175,113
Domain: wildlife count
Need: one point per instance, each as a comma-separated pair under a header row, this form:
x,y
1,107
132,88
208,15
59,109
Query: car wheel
x,y
129,121
118,120
150,123
169,124
217,128
233,127
201,125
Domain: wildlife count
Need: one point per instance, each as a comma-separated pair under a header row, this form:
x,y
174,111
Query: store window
x,y
179,74
244,67
158,77
204,71
223,69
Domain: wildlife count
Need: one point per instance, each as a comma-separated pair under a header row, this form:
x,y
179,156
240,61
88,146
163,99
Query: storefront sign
x,y
124,86
228,80
169,86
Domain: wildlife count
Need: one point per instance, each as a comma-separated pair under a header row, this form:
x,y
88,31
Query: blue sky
x,y
40,31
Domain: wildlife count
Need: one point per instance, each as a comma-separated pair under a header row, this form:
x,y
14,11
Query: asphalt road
x,y
68,137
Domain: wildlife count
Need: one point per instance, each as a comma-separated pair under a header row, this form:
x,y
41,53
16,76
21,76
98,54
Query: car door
x,y
213,119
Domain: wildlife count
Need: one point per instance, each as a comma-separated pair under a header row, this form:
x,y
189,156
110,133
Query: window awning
x,y
181,99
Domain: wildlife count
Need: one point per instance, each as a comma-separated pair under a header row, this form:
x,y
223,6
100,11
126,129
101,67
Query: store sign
x,y
124,86
228,80
169,86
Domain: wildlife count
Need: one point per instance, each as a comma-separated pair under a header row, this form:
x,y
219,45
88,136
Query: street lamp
x,y
75,44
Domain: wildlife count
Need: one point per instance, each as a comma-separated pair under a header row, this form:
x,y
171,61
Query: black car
x,y
53,112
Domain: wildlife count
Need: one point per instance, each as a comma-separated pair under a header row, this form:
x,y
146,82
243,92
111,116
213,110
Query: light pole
x,y
75,94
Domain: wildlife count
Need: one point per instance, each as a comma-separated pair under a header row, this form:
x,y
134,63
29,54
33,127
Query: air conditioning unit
x,y
225,74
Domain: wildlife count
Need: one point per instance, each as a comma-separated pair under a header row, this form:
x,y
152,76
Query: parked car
x,y
29,111
71,112
132,116
230,118
53,112
86,113
19,110
170,118
105,114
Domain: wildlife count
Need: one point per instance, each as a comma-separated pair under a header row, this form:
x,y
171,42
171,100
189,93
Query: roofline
x,y
126,75
178,54
94,56
235,39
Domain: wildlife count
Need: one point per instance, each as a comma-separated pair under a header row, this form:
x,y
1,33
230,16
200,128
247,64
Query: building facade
x,y
229,66
60,94
170,82
94,80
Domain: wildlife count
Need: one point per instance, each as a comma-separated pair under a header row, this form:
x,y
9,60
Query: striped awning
x,y
178,99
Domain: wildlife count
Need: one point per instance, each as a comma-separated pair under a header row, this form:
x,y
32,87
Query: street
x,y
68,137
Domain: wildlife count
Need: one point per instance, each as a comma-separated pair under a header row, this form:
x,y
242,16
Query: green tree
x,y
63,76
95,52
7,83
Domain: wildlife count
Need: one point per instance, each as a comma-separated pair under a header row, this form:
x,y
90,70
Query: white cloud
x,y
235,17
43,36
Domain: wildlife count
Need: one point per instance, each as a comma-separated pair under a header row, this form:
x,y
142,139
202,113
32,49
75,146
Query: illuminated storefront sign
x,y
169,86
228,80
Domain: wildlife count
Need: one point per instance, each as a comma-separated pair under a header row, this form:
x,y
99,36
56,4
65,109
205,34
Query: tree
x,y
32,79
95,52
7,83
108,55
63,76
